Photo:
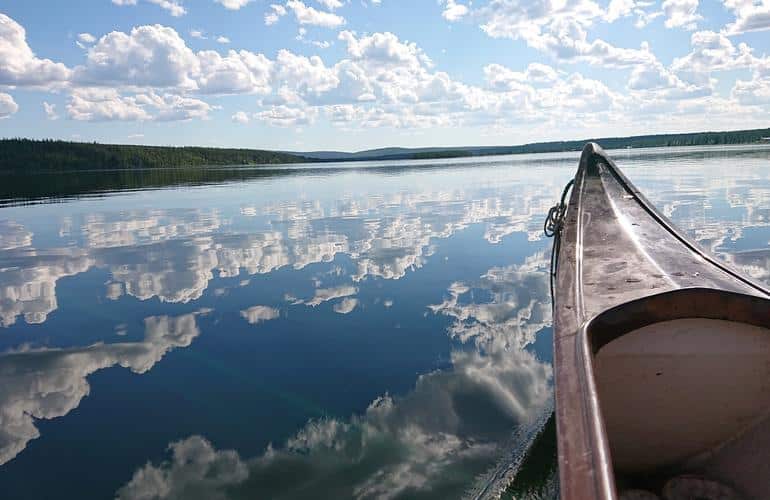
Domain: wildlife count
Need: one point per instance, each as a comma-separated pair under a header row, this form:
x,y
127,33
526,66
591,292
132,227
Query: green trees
x,y
20,155
27,154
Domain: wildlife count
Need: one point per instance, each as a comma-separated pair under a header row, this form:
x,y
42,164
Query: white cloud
x,y
259,314
200,34
223,39
172,107
285,116
173,7
240,117
104,105
274,14
50,111
86,38
711,52
454,11
331,4
19,65
681,14
618,9
235,73
750,15
501,78
7,106
754,92
560,29
150,55
233,4
98,104
309,15
383,48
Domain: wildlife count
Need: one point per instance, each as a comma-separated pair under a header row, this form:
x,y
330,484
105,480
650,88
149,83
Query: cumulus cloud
x,y
50,111
240,117
274,14
750,15
617,9
233,4
173,7
306,14
19,65
454,11
46,383
86,38
681,14
561,29
7,106
99,104
331,4
153,55
240,72
712,52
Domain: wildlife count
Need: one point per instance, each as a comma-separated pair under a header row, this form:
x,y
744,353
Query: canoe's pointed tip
x,y
593,148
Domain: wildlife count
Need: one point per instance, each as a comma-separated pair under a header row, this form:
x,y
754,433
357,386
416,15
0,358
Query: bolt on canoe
x,y
661,353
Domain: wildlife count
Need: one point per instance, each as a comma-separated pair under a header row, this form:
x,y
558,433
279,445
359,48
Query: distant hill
x,y
26,154
639,141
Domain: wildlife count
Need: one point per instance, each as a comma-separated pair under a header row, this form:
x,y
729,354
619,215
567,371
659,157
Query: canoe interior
x,y
683,382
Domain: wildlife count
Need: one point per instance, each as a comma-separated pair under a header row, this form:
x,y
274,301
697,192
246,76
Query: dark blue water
x,y
376,332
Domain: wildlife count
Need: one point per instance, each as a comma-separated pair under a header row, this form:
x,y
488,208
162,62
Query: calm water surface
x,y
376,331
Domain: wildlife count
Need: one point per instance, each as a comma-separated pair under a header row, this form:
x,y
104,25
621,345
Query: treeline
x,y
651,141
24,154
753,136
27,154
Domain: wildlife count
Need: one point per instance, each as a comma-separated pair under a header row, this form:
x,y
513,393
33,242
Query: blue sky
x,y
358,74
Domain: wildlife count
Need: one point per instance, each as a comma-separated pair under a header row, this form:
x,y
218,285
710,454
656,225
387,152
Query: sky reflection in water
x,y
371,333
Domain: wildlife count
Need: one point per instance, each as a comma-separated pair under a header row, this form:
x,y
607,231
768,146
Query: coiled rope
x,y
554,223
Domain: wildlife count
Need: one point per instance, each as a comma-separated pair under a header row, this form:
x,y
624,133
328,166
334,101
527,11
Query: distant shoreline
x,y
19,155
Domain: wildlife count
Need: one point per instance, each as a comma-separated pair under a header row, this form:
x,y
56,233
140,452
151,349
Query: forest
x,y
52,155
27,154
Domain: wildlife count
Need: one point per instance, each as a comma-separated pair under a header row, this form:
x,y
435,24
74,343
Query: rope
x,y
554,223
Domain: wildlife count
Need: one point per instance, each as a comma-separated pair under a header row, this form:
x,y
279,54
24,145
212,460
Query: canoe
x,y
661,353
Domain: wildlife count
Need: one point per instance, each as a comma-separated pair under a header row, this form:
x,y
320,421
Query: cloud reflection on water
x,y
174,254
452,426
45,383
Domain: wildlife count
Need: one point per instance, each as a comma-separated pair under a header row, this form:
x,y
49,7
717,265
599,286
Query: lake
x,y
371,330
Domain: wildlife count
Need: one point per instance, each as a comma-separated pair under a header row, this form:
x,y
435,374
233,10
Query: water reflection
x,y
372,333
433,441
174,254
45,383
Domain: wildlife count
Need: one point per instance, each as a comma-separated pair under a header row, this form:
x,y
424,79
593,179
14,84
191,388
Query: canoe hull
x,y
624,270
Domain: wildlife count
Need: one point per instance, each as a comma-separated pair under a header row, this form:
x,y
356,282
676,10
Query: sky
x,y
350,75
